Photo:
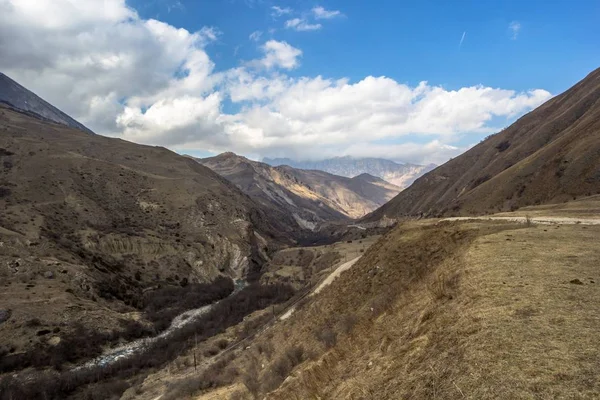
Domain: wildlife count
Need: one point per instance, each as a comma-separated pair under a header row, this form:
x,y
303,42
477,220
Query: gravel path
x,y
535,220
330,278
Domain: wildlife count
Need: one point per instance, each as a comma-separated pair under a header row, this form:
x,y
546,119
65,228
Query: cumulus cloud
x,y
514,28
280,54
88,54
317,113
321,13
299,24
150,82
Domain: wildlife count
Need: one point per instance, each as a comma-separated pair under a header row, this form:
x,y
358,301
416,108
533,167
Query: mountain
x,y
550,155
401,175
310,196
95,230
16,96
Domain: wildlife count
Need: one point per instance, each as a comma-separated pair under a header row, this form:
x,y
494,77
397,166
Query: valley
x,y
135,272
439,303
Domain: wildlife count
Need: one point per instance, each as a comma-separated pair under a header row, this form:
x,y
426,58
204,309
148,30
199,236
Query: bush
x,y
33,323
251,379
210,352
327,336
222,344
502,146
85,344
480,180
281,368
347,323
214,376
164,304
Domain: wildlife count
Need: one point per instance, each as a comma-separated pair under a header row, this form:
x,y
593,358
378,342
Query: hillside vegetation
x,y
440,310
92,226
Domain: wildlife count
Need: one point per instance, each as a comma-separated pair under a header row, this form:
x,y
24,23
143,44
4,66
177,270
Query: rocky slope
x,y
401,175
548,156
310,196
91,226
16,96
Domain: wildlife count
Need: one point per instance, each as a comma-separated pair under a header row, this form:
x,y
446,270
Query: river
x,y
126,350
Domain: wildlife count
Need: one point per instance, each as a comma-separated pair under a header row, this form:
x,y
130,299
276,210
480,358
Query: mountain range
x,y
311,196
104,242
401,175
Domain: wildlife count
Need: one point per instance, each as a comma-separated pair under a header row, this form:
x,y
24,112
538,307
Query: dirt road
x,y
330,278
535,220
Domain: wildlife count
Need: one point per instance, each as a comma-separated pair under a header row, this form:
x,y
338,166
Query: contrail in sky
x,y
462,39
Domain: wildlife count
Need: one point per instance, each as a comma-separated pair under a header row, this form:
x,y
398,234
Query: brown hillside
x,y
434,310
550,155
90,225
310,196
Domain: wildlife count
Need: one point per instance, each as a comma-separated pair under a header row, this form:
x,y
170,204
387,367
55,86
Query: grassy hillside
x,y
448,310
92,226
548,156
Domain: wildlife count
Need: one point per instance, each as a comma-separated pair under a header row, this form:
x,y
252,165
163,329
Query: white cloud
x,y
319,115
150,82
277,11
280,54
255,36
321,13
301,25
514,28
433,152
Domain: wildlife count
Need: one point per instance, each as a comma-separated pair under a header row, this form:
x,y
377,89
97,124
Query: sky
x,y
410,81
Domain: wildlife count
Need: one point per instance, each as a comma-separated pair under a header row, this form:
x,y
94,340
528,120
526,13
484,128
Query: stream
x,y
120,352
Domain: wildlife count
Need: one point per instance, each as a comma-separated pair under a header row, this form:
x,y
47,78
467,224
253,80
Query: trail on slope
x,y
535,220
326,282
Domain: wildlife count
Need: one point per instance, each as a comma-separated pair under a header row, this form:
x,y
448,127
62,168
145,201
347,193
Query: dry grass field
x,y
441,310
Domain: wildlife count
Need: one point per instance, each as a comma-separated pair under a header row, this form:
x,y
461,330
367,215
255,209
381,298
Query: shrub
x,y
164,304
210,352
32,323
502,146
347,323
327,336
444,287
85,344
282,366
251,379
480,180
222,344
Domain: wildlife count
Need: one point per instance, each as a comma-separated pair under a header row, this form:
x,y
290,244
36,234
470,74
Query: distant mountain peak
x,y
399,174
365,175
23,100
312,196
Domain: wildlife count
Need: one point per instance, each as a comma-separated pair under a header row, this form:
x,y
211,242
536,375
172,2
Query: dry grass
x,y
478,310
454,311
302,266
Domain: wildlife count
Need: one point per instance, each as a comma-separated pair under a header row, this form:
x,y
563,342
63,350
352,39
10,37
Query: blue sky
x,y
417,81
558,42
